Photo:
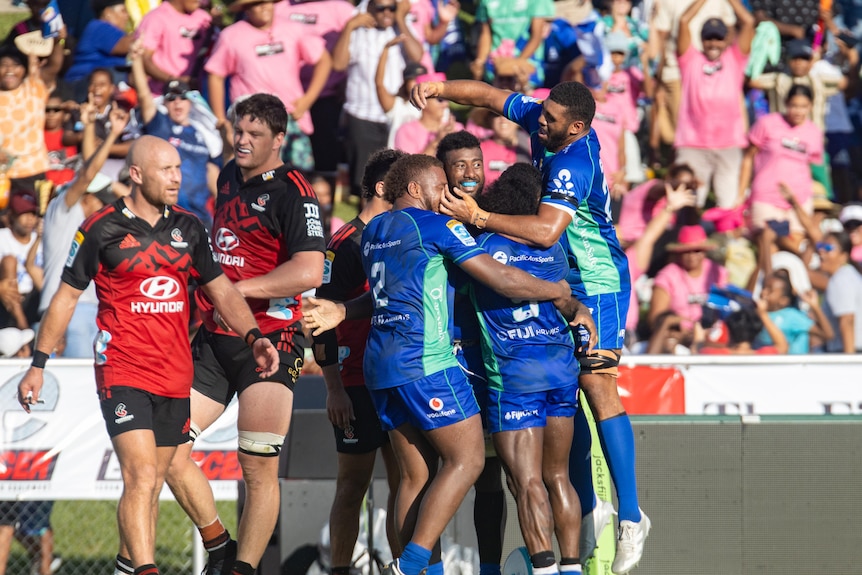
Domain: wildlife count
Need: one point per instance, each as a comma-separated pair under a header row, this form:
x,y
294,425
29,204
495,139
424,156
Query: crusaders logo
x,y
120,410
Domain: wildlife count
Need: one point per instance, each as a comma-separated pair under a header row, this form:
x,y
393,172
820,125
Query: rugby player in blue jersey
x,y
575,210
532,385
422,397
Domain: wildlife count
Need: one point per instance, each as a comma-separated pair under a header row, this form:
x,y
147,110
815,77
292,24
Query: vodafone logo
x,y
226,240
160,288
435,403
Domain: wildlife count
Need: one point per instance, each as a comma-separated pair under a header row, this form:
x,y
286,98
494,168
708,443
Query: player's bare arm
x,y
543,229
302,272
235,313
53,327
468,92
322,315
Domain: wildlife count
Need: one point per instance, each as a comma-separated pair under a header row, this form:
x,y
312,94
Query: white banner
x,y
62,450
779,389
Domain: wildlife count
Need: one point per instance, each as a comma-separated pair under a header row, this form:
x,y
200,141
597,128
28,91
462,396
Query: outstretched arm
x,y
467,92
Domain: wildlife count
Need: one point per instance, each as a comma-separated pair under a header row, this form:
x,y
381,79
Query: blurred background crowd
x,y
729,132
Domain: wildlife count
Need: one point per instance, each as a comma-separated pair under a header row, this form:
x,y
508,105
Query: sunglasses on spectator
x,y
825,247
53,109
172,97
385,8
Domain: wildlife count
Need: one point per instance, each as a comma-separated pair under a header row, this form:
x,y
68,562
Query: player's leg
x,y
393,479
357,447
8,519
565,506
598,380
489,515
263,421
444,408
211,392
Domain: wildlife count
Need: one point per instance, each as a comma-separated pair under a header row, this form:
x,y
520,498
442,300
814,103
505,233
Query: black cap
x,y
177,87
713,29
799,49
413,69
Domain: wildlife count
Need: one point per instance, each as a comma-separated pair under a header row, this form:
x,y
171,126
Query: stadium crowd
x,y
729,160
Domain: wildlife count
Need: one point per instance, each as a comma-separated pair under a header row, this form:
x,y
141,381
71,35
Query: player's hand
x,y
811,297
266,356
339,408
118,118
458,205
449,11
30,387
396,40
584,318
320,315
136,50
362,20
421,92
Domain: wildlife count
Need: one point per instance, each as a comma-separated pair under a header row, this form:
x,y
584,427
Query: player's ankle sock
x,y
123,566
544,563
214,536
570,566
618,443
413,559
434,568
489,515
242,568
580,469
148,569
341,570
489,569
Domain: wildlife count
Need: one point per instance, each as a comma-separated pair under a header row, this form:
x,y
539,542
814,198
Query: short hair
x,y
743,325
404,171
266,108
786,286
100,70
460,140
843,240
675,170
516,192
13,53
99,6
377,167
576,99
799,90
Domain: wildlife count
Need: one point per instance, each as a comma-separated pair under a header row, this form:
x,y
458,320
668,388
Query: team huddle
x,y
444,308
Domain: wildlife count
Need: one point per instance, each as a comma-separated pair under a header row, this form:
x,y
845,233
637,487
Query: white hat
x,y
13,339
850,213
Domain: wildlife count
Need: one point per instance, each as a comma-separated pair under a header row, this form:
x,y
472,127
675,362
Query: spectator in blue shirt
x,y
104,43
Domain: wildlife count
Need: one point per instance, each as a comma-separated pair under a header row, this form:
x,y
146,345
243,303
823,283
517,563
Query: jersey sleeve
x,y
342,271
524,111
758,134
222,61
455,242
299,216
205,266
83,261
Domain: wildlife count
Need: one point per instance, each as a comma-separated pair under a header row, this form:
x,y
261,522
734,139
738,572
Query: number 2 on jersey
x,y
378,276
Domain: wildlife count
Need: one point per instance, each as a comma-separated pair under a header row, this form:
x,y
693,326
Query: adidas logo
x,y
129,242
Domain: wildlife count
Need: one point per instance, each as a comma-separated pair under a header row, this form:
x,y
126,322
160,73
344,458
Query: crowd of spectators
x,y
729,132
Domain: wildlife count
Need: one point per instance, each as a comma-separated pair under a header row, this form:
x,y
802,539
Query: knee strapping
x,y
601,361
261,443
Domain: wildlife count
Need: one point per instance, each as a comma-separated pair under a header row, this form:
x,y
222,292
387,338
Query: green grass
x,y
9,19
85,536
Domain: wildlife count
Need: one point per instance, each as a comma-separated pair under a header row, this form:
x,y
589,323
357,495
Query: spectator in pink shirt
x,y
422,136
174,35
323,19
710,133
262,54
682,286
643,202
782,147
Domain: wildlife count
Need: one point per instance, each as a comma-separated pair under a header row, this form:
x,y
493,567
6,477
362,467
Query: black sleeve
x,y
298,216
342,276
82,265
205,266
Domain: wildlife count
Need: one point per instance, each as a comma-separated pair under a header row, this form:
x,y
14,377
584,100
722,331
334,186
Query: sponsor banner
x,y
782,389
62,451
646,390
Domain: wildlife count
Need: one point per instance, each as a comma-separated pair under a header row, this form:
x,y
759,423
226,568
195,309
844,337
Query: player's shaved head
x,y
147,147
